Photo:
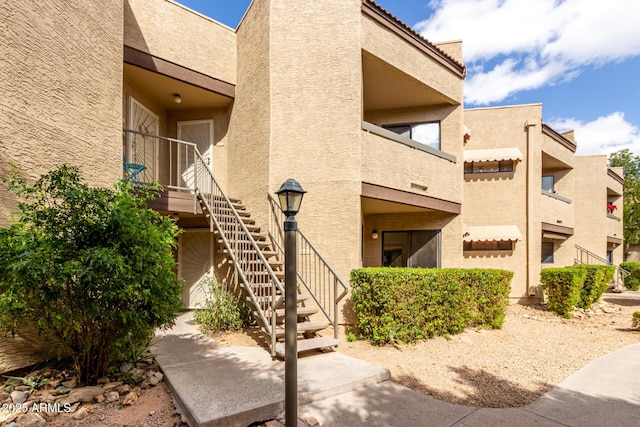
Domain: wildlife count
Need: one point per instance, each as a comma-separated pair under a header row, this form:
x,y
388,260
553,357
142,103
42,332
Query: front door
x,y
195,264
199,132
142,149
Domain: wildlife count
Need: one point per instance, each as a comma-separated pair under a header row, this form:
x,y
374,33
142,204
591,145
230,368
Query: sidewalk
x,y
234,386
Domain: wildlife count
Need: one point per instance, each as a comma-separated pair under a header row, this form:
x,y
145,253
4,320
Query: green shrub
x,y
222,311
409,304
635,321
595,284
563,287
91,267
632,282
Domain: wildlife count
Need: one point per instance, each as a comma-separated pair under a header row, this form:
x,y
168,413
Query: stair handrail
x,y
276,234
276,298
621,273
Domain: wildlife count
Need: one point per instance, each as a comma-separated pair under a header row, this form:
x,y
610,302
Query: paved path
x,y
218,385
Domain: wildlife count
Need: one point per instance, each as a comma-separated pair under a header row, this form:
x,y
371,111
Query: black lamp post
x,y
290,195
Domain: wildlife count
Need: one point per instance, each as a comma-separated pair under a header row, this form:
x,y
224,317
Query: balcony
x,y
393,161
556,209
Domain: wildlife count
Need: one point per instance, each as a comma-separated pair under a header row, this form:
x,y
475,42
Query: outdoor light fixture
x,y
177,98
290,195
374,235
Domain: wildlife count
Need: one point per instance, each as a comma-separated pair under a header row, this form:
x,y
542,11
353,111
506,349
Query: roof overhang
x,y
558,229
389,200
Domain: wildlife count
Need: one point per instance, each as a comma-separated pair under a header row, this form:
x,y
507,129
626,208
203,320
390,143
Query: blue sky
x,y
579,58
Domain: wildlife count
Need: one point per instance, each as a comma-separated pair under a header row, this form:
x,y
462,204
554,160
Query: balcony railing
x,y
380,131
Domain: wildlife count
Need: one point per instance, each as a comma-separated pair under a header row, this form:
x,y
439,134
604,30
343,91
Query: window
x,y
610,256
547,252
486,167
548,182
502,245
411,248
427,133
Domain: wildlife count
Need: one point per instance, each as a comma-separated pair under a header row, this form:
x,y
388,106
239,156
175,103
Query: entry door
x,y
200,132
142,150
195,264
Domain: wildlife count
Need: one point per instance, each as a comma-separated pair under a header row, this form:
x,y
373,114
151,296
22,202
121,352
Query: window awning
x,y
491,233
493,155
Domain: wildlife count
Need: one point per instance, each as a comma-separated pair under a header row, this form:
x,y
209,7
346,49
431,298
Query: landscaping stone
x,y
111,385
82,394
31,419
154,378
130,398
19,397
123,389
80,413
111,396
70,383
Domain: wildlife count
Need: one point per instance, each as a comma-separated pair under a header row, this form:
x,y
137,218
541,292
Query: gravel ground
x,y
513,366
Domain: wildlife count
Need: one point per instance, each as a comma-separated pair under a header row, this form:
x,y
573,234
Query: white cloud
x,y
604,135
546,41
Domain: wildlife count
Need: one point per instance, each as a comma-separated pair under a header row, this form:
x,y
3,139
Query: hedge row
x,y
409,304
632,282
576,286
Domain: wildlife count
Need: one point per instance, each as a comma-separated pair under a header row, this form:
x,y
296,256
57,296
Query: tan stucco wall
x,y
172,32
61,71
386,46
249,137
52,111
316,82
592,223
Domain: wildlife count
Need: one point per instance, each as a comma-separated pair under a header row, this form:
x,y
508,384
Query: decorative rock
x,y
130,398
18,397
123,389
74,407
103,380
100,398
110,386
72,383
154,378
7,417
82,394
111,396
31,419
138,375
125,367
312,421
80,413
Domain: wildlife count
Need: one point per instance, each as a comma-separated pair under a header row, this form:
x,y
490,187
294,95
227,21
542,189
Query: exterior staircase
x,y
584,256
254,255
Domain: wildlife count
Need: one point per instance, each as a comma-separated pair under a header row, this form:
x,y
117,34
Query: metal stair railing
x,y
585,256
188,170
314,272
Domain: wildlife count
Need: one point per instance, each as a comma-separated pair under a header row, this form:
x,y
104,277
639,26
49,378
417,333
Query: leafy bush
x,y
91,267
635,321
563,287
223,310
595,284
409,304
632,282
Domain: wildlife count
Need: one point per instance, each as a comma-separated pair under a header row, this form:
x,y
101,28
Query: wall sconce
x,y
374,235
177,98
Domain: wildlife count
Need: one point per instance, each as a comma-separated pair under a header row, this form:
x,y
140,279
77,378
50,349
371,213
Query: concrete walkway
x,y
218,385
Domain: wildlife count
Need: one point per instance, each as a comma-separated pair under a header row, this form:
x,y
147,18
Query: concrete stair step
x,y
299,299
304,327
301,311
309,344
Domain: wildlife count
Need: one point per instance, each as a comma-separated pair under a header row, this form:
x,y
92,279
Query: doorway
x,y
416,248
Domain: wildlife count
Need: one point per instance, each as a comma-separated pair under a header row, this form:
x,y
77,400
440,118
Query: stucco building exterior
x,y
530,202
365,113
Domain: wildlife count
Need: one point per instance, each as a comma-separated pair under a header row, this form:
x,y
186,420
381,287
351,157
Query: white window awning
x,y
484,233
493,155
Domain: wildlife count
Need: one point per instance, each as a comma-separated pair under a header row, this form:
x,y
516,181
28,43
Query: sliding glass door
x,y
418,248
